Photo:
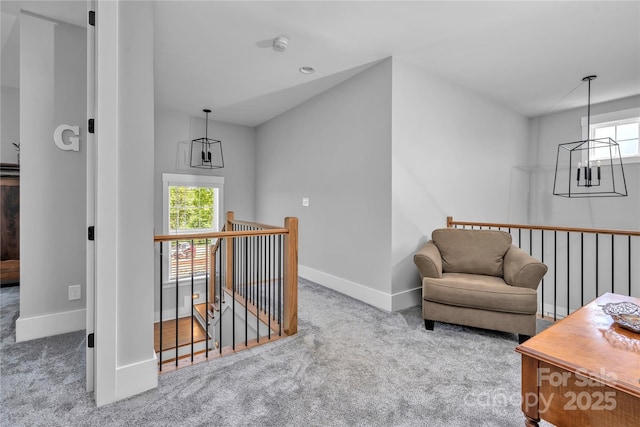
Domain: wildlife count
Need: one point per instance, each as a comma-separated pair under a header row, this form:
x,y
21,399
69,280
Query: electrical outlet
x,y
75,292
305,201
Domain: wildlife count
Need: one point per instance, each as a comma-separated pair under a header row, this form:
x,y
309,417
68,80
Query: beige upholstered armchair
x,y
478,278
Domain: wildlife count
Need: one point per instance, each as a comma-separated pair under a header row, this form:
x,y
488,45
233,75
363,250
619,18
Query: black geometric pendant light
x,y
577,175
206,153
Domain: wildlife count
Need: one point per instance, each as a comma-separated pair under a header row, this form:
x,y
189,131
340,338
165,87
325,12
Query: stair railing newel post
x,y
291,276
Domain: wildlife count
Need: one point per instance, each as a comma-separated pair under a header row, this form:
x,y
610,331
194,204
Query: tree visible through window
x,y
192,204
191,209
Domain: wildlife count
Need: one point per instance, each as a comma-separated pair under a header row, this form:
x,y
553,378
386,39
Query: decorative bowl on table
x,y
625,314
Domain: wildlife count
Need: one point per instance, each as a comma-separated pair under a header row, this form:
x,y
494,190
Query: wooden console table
x,y
583,371
9,223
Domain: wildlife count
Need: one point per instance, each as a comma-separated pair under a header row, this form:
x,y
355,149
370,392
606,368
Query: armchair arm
x,y
429,261
522,270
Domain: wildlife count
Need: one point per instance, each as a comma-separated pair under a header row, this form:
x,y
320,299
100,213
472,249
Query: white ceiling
x,y
525,55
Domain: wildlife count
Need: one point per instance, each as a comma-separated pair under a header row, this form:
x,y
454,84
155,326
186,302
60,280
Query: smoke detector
x,y
280,43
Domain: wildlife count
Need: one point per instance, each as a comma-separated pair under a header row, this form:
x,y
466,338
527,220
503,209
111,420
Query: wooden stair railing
x,y
583,263
250,279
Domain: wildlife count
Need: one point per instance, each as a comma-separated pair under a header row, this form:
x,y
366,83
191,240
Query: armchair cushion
x,y
472,251
480,292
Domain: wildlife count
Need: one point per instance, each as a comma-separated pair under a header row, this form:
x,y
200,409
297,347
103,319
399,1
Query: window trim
x,y
174,179
612,117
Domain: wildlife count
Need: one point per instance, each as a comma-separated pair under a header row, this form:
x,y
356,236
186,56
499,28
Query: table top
x,y
589,343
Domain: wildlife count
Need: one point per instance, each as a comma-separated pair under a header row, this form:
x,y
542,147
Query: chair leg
x,y
428,324
522,338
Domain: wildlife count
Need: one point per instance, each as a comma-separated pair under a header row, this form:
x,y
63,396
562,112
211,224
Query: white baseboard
x,y
406,299
136,378
385,301
30,328
561,312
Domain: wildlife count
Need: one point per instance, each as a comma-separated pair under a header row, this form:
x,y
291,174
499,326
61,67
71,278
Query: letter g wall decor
x,y
74,141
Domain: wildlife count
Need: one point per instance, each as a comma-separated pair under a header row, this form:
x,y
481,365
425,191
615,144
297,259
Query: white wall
x,y
335,149
135,183
9,123
608,212
52,193
622,213
125,359
239,151
10,89
454,154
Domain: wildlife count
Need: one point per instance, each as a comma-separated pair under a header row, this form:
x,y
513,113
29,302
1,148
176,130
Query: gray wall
x,y
609,212
623,213
334,149
52,196
134,172
239,150
10,123
454,154
10,89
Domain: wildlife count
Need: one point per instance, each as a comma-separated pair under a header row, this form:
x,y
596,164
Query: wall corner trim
x,y
382,300
30,328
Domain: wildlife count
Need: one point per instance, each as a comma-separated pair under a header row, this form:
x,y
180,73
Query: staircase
x,y
232,326
248,276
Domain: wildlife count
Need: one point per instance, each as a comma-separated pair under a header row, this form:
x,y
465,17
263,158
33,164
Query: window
x,y
191,204
191,209
621,126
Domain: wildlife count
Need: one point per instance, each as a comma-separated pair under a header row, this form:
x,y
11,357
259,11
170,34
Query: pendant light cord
x,y
589,110
560,100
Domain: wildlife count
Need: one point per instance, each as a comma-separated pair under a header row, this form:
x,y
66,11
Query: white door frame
x,y
106,200
91,187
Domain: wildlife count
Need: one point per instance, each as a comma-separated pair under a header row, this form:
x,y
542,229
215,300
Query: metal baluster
x,y
629,261
597,262
246,300
531,241
519,238
568,273
161,261
191,296
177,274
280,285
581,269
258,288
269,288
233,299
555,271
542,260
223,276
613,283
207,277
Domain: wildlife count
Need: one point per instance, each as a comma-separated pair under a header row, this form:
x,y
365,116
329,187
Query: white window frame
x,y
612,118
187,180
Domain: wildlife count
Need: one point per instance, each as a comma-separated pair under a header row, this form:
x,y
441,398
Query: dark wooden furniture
x,y
583,371
9,223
